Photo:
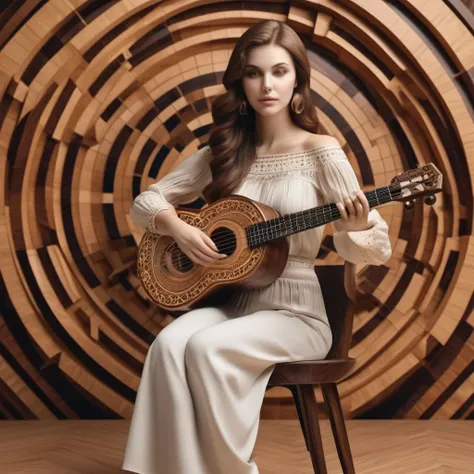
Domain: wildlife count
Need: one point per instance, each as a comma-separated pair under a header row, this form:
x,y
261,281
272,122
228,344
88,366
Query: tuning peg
x,y
430,199
409,205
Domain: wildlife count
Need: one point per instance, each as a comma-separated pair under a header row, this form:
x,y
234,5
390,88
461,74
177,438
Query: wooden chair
x,y
300,377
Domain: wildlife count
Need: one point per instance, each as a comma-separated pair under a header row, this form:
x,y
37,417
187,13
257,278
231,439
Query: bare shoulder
x,y
313,140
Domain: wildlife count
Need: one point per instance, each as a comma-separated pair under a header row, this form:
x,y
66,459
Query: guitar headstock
x,y
426,180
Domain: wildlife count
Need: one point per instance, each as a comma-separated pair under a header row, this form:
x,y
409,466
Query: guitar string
x,y
300,218
267,233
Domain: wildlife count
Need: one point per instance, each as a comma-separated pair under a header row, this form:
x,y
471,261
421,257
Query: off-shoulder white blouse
x,y
289,183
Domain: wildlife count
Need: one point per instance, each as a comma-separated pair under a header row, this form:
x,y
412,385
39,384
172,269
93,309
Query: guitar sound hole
x,y
176,260
225,240
180,261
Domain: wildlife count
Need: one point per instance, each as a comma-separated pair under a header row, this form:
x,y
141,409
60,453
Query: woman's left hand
x,y
358,207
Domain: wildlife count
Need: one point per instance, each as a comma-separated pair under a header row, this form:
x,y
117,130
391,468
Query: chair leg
x,y
299,410
333,402
309,409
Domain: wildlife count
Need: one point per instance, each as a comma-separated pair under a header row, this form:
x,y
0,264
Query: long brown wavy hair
x,y
232,137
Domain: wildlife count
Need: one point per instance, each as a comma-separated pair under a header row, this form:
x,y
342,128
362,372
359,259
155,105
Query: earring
x,y
297,104
243,109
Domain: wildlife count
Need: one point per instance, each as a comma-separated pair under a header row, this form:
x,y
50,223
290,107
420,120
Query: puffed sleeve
x,y
337,180
184,184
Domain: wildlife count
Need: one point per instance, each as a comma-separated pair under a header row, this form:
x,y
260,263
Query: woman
x,y
204,379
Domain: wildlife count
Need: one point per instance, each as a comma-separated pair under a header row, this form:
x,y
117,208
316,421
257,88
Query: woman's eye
x,y
280,72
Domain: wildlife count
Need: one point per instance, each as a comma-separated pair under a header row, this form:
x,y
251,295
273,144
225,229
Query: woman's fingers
x,y
350,206
206,250
196,255
198,246
204,260
212,245
364,202
194,258
203,255
354,211
359,210
354,207
209,242
342,211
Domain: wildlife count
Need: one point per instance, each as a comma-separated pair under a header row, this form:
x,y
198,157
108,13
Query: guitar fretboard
x,y
263,232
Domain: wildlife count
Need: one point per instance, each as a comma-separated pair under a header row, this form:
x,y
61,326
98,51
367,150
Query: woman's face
x,y
269,72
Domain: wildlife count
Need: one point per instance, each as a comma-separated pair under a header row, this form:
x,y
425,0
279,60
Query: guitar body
x,y
254,237
176,283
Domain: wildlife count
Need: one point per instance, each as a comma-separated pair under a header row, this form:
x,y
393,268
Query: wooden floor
x,y
379,447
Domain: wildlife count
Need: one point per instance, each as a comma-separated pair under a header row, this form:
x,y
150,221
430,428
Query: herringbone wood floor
x,y
379,447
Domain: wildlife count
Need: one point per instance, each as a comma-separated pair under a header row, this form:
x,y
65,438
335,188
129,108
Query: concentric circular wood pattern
x,y
101,98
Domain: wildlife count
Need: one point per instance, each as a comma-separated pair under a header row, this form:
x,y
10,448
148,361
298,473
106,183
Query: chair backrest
x,y
338,287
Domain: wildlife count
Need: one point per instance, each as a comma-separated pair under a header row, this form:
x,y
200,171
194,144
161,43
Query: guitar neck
x,y
266,231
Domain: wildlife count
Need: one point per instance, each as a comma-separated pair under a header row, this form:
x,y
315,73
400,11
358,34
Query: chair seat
x,y
311,371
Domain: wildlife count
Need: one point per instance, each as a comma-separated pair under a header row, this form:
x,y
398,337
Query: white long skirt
x,y
198,405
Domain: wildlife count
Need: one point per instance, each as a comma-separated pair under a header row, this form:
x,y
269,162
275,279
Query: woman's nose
x,y
267,83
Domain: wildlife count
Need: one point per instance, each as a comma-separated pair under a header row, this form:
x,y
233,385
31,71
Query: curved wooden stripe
x,y
100,99
464,12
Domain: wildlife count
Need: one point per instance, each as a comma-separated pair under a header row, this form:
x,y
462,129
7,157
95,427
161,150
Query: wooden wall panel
x,y
99,99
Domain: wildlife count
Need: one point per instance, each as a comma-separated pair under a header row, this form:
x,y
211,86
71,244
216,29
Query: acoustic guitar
x,y
253,236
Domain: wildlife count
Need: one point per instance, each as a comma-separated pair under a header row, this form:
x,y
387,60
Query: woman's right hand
x,y
197,245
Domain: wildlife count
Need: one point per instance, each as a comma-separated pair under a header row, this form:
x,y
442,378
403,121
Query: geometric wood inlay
x,y
100,99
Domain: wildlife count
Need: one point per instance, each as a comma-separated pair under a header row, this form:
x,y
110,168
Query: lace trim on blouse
x,y
151,218
304,163
294,153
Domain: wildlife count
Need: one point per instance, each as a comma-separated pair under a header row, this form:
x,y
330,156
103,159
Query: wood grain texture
x,y
100,99
379,446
